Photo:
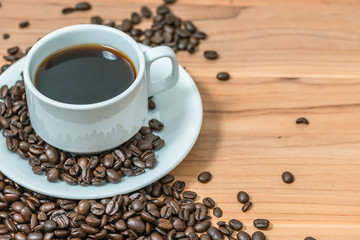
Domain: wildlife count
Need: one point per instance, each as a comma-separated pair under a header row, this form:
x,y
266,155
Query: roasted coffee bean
x,y
217,212
242,197
49,225
226,230
189,194
287,177
13,50
235,224
189,26
261,223
158,144
24,24
4,67
167,179
209,202
6,36
302,120
211,55
204,177
309,238
214,233
169,1
53,175
146,12
200,35
96,20
178,186
202,226
162,10
126,25
136,225
246,206
35,236
83,6
67,10
223,76
258,236
135,18
113,176
241,235
183,33
68,179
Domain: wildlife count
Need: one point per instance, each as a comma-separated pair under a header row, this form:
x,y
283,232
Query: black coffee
x,y
85,74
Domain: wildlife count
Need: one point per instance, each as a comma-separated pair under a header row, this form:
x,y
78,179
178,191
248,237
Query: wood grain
x,y
287,59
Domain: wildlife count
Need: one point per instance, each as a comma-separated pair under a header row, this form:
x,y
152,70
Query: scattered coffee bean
x,y
146,12
235,224
82,6
96,20
258,236
156,124
241,235
242,197
24,24
211,55
287,177
209,202
223,76
261,223
309,238
302,120
135,18
214,233
204,177
4,67
217,212
13,50
6,36
68,10
246,206
151,104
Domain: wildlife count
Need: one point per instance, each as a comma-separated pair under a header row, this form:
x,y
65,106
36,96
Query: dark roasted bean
x,y
135,18
223,76
217,212
302,120
162,10
258,236
287,177
189,26
242,197
53,175
204,177
169,1
261,223
24,24
13,50
246,206
96,20
6,36
235,224
83,6
167,179
214,233
202,226
309,238
241,235
189,194
183,33
67,10
146,12
211,55
209,202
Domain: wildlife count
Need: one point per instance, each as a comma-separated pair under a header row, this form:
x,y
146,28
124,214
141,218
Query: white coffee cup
x,y
90,128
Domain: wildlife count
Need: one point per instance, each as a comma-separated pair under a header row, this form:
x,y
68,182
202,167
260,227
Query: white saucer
x,y
180,109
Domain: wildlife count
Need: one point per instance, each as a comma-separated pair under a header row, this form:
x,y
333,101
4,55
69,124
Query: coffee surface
x,y
85,74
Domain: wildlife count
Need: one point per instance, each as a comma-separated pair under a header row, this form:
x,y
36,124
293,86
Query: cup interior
x,y
83,34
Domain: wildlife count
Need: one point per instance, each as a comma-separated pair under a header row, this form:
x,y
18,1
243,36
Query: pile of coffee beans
x,y
130,159
167,29
139,215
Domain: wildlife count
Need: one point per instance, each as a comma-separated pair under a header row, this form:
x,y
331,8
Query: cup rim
x,y
30,85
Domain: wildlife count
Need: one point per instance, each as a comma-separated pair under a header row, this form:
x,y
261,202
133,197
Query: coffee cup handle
x,y
159,85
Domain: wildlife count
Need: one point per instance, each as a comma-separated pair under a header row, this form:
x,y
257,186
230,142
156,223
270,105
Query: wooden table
x,y
287,59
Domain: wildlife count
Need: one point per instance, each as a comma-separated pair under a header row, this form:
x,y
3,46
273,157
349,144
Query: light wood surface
x,y
287,59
